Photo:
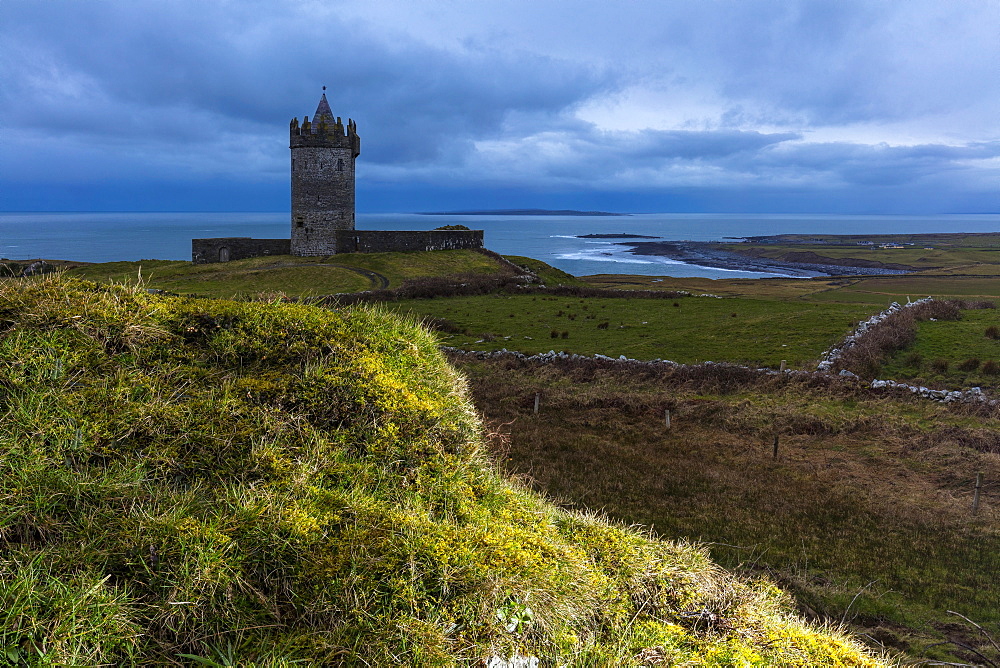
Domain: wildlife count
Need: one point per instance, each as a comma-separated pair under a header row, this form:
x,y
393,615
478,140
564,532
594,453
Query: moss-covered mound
x,y
258,484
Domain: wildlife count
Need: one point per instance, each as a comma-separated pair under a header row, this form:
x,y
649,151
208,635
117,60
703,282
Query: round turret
x,y
323,154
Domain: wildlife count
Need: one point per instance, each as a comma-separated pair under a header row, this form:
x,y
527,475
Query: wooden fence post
x,y
666,418
538,396
975,499
775,446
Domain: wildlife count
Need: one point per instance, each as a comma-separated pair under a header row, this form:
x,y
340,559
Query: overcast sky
x,y
702,105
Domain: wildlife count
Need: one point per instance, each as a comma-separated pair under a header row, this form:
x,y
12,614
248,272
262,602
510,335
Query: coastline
x,y
708,254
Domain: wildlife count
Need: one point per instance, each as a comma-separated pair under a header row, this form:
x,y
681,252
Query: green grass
x,y
955,342
918,257
898,288
549,274
756,288
289,275
265,484
688,329
919,250
982,281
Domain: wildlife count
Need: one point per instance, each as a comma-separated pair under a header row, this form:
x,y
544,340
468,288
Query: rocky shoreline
x,y
708,254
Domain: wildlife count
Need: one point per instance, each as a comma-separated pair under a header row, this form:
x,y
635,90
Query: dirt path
x,y
378,281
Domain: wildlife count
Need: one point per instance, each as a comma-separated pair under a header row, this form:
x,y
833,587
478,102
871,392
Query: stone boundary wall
x,y
204,251
224,249
389,241
973,395
830,356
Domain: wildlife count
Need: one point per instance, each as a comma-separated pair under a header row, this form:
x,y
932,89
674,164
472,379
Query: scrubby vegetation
x,y
865,514
263,483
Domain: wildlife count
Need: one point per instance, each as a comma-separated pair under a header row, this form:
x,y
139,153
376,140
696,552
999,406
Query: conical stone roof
x,y
323,109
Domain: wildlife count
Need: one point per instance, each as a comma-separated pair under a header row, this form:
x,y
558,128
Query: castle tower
x,y
323,153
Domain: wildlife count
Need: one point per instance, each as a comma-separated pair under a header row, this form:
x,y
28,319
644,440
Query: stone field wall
x,y
386,241
224,249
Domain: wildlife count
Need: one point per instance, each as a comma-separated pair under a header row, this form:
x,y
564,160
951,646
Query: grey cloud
x,y
858,164
586,157
835,62
191,70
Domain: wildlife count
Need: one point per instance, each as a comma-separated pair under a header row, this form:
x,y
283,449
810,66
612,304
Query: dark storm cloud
x,y
579,95
188,72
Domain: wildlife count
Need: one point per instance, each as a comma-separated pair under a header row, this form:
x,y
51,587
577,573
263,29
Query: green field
x,y
951,353
884,289
922,251
688,329
979,282
914,256
763,288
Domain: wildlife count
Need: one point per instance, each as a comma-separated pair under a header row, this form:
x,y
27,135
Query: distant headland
x,y
616,236
521,212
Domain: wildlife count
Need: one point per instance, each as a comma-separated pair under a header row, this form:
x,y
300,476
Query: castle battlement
x,y
323,151
336,129
325,134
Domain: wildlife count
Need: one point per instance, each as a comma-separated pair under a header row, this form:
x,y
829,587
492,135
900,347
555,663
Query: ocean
x,y
105,237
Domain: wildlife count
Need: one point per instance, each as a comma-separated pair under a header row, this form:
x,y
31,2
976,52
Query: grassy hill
x,y
289,275
263,484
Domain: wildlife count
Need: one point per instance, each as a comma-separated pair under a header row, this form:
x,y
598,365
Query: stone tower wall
x,y
322,185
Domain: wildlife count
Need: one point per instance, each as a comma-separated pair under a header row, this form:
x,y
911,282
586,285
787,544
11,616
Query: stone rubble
x,y
972,395
552,356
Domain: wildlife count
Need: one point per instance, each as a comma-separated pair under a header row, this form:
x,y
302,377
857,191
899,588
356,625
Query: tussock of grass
x,y
264,483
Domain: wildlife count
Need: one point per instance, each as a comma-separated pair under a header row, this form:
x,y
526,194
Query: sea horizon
x,y
106,236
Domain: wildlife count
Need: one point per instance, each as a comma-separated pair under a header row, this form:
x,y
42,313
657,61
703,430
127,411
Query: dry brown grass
x,y
870,494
